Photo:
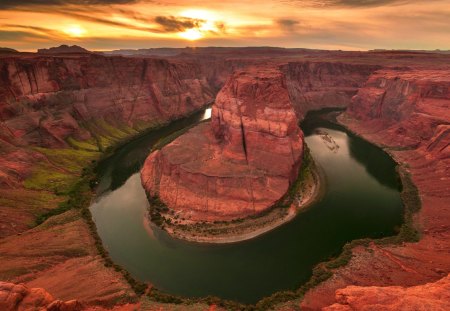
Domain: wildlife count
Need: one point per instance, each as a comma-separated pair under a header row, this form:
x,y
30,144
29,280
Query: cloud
x,y
287,24
23,31
347,3
8,4
172,23
14,36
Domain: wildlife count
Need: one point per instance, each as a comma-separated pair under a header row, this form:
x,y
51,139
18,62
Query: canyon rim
x,y
124,153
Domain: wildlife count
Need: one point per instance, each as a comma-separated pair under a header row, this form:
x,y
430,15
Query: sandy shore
x,y
250,228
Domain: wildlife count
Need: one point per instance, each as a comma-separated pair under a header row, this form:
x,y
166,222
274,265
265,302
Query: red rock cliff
x,y
241,163
408,113
317,85
44,100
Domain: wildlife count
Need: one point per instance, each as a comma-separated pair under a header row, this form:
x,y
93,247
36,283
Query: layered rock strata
x,y
407,112
238,165
314,85
20,297
430,296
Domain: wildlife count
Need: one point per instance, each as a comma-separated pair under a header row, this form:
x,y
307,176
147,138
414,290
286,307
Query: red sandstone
x,y
46,99
241,163
431,296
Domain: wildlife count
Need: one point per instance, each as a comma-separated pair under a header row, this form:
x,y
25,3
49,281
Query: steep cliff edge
x,y
315,85
407,112
46,100
60,255
241,163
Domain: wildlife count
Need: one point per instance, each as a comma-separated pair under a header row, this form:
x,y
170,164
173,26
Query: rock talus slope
x,y
238,165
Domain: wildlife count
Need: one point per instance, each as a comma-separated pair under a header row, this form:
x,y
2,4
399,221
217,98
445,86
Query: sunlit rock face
x,y
20,297
431,296
240,163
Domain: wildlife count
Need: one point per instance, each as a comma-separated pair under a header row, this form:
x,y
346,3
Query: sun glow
x,y
75,30
191,34
206,24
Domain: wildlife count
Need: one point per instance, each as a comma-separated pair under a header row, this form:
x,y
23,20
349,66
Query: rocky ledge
x,y
239,164
20,297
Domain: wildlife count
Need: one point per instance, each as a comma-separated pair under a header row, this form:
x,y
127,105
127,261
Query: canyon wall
x,y
407,112
317,85
92,101
238,165
45,100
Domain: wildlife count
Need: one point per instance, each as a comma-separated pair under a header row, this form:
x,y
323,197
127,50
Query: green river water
x,y
361,199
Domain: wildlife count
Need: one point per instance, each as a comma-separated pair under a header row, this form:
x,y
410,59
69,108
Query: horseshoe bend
x,y
272,178
239,164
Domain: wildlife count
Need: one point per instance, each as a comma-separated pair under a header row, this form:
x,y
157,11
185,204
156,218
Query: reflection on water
x,y
358,202
207,114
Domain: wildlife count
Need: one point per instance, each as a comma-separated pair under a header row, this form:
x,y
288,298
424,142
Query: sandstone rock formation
x,y
406,111
431,296
46,100
241,163
64,49
18,297
317,85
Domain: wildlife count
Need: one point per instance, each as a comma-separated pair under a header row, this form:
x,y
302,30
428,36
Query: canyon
x,y
60,113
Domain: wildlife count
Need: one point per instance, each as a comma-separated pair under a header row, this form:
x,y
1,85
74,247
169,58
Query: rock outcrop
x,y
64,49
18,297
240,164
431,296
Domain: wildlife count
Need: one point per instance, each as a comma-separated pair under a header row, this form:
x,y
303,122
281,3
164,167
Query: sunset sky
x,y
326,24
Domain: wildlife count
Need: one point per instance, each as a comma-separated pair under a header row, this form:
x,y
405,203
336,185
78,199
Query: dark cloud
x,y
29,31
359,3
348,3
7,4
288,24
105,21
172,23
14,36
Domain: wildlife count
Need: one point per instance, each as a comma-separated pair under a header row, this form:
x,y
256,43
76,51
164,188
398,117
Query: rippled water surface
x,y
361,199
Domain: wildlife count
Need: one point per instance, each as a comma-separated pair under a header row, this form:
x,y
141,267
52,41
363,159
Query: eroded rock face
x,y
409,106
238,165
431,296
408,113
317,85
21,298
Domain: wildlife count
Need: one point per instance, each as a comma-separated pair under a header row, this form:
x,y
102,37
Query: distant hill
x,y
167,52
7,50
64,49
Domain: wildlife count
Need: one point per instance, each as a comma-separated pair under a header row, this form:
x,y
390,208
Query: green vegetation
x,y
411,205
67,179
88,145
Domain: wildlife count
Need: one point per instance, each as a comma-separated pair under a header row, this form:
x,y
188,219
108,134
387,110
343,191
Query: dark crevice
x,y
244,144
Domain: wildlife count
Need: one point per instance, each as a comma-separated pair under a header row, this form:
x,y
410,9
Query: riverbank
x,y
405,258
305,191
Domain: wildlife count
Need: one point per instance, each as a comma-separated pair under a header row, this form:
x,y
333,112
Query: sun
x,y
191,34
74,30
206,24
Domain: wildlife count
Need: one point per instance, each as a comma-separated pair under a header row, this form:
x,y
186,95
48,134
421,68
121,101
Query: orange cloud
x,y
106,24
